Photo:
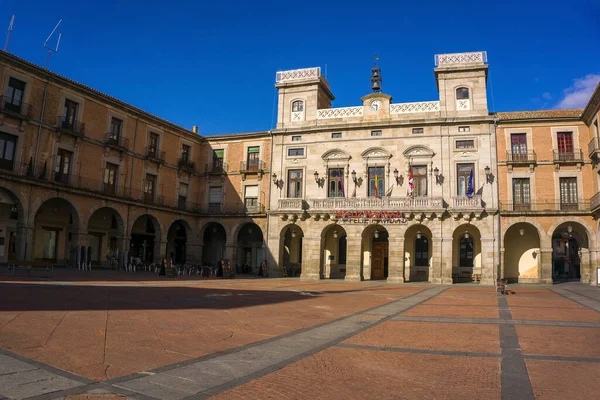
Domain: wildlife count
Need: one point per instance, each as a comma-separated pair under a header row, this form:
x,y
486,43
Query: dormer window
x,y
298,106
463,102
462,93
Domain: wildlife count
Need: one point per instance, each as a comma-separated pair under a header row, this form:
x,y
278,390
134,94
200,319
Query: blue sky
x,y
213,64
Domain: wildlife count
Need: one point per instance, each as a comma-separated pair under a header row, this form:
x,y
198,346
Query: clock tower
x,y
376,104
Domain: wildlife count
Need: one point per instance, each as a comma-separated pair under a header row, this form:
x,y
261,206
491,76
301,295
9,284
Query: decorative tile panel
x,y
297,116
463,105
478,57
342,112
298,74
418,107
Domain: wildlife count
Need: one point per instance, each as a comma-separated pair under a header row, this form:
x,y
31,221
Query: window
x,y
568,193
14,95
464,129
462,93
149,187
421,252
63,166
376,133
185,153
417,130
217,160
420,180
518,146
465,180
336,135
214,198
466,252
251,198
521,194
565,146
296,138
296,152
297,106
465,144
153,147
115,128
70,114
253,158
110,174
8,144
295,183
183,195
336,182
342,249
376,181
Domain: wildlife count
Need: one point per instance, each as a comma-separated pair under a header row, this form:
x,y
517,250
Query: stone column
x,y
594,254
446,255
487,261
353,257
123,246
78,240
501,272
24,245
396,260
545,260
160,250
311,261
272,257
585,266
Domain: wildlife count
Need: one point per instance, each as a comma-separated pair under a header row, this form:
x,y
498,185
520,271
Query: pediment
x,y
336,154
376,152
418,151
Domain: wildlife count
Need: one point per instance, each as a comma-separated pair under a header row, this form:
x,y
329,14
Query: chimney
x,y
195,129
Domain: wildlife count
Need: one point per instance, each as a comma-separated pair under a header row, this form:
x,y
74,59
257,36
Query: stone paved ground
x,y
107,336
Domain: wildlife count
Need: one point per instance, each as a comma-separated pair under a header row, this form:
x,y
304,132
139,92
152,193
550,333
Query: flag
x,y
411,185
389,191
342,185
470,188
376,186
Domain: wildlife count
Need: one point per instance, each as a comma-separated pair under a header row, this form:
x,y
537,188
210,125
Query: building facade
x,y
88,178
397,191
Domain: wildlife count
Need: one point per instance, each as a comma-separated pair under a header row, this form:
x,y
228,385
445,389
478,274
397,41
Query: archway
x,y
375,249
145,237
334,250
291,250
569,242
56,226
417,253
466,254
249,251
105,229
213,249
521,253
177,241
12,238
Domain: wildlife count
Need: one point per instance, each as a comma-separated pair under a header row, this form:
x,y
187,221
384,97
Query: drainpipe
x,y
269,191
498,228
39,132
133,157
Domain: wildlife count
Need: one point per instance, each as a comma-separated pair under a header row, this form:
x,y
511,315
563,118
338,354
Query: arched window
x,y
297,106
342,245
462,93
421,252
466,252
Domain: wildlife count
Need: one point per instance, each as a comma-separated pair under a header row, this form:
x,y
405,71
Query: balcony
x,y
595,202
296,204
155,155
14,108
568,157
70,127
466,203
594,148
217,167
376,203
252,166
116,142
151,198
544,207
235,209
521,158
185,164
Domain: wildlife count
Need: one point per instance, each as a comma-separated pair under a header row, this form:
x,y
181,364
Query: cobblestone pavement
x,y
104,336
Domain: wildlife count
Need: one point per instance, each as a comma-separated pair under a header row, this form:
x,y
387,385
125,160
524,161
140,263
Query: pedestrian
x,y
220,269
163,268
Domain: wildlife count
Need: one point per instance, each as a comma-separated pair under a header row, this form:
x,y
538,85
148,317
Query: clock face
x,y
376,105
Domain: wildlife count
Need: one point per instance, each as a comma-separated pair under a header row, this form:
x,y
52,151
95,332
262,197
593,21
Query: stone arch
x,y
418,150
466,252
376,152
591,236
336,154
88,216
334,248
522,242
418,253
249,238
54,195
146,242
214,240
237,227
180,241
375,252
105,238
291,249
18,199
572,247
12,219
518,220
135,215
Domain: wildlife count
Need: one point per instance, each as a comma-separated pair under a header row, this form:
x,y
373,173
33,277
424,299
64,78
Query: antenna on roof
x,y
10,27
51,50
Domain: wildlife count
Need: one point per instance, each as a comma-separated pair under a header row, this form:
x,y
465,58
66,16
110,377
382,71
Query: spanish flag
x,y
376,186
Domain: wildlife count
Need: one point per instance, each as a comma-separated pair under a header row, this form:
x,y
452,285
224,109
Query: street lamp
x,y
488,174
376,235
293,233
522,231
335,234
438,177
467,235
418,234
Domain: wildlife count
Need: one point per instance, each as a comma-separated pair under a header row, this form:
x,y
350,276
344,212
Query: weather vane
x,y
375,58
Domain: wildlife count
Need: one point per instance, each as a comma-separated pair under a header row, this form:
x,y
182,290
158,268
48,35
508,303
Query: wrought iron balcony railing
x,y
70,126
572,156
217,167
544,206
375,203
223,209
528,157
594,147
296,204
116,141
17,108
595,202
154,154
185,163
252,166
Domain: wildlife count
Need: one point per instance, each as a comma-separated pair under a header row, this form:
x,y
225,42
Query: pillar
x,y
24,243
585,266
353,257
442,261
160,251
487,261
501,272
594,267
311,264
396,260
546,265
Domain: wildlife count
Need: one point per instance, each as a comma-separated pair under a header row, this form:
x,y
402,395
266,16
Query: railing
x,y
297,74
152,198
528,157
376,203
593,147
8,105
154,154
118,141
296,204
342,112
223,209
478,57
255,165
466,202
575,155
544,206
595,202
70,126
185,163
418,107
217,167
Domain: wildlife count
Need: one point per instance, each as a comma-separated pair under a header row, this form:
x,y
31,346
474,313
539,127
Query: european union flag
x,y
470,186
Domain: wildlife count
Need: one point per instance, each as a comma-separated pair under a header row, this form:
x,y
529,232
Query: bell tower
x,y
376,105
375,76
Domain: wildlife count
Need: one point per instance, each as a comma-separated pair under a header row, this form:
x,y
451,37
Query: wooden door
x,y
378,255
